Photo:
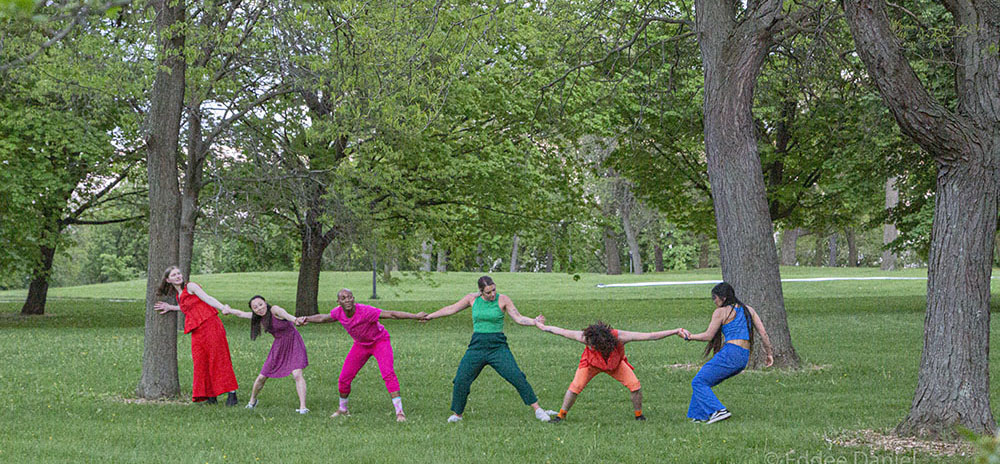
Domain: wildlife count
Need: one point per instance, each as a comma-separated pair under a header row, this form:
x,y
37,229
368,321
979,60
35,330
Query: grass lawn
x,y
67,377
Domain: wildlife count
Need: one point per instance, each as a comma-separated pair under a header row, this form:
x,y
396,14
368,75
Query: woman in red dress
x,y
213,368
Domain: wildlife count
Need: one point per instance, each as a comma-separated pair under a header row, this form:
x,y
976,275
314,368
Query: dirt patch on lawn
x,y
878,441
170,401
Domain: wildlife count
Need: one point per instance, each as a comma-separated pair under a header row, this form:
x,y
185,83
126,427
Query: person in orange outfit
x,y
213,368
605,352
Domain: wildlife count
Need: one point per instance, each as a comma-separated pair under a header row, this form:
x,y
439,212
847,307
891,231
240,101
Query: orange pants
x,y
623,373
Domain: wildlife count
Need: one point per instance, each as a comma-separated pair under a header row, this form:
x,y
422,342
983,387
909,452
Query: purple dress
x,y
288,352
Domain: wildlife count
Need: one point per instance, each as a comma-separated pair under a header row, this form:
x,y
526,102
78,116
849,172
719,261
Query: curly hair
x,y
599,336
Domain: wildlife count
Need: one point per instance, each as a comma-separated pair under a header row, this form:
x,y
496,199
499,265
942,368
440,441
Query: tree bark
x,y
611,253
820,255
889,231
658,257
310,264
442,261
732,55
630,233
832,261
38,290
425,256
159,358
953,380
789,243
479,257
513,253
852,248
550,260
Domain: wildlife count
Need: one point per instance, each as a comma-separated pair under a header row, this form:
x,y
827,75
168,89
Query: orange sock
x,y
638,412
562,414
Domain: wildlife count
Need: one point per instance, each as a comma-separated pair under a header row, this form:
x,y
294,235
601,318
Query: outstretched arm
x,y
200,293
570,334
316,318
385,314
507,305
235,312
625,336
759,325
453,308
280,313
713,327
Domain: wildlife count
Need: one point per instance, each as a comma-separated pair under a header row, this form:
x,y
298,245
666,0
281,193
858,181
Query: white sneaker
x,y
454,418
302,411
340,413
541,415
551,412
719,415
252,404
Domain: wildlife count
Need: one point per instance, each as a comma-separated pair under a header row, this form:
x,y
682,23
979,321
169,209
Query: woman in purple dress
x,y
288,352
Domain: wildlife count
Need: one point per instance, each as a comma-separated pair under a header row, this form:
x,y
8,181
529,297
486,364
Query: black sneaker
x,y
719,415
231,399
555,420
640,417
211,400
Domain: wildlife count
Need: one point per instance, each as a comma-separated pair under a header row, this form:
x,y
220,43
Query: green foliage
x,y
987,446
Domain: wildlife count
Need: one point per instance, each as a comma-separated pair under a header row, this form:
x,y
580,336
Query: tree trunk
x,y
789,242
819,256
658,257
611,252
889,231
159,357
38,291
833,250
425,256
442,261
550,260
732,56
953,383
704,251
479,257
630,237
852,248
513,254
310,264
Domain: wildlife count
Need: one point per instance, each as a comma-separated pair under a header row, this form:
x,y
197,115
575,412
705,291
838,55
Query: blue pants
x,y
729,361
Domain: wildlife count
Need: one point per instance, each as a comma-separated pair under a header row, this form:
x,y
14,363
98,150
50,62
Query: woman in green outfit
x,y
488,347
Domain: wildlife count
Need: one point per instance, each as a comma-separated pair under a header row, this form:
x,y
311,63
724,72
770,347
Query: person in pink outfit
x,y
370,339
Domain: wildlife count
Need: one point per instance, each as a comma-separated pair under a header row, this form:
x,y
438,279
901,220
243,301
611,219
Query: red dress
x,y
213,369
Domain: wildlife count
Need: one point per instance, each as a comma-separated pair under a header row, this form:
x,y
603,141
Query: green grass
x,y
65,375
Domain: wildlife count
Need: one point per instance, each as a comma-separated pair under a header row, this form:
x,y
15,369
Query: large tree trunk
x,y
159,356
513,253
310,264
789,242
889,231
38,290
611,254
953,380
732,56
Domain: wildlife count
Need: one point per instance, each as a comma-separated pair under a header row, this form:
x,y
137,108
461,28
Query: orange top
x,y
593,358
195,311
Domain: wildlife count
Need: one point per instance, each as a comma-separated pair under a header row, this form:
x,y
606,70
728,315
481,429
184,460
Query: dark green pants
x,y
491,349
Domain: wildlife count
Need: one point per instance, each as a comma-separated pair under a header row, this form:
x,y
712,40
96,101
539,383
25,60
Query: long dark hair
x,y
728,295
255,319
166,288
599,336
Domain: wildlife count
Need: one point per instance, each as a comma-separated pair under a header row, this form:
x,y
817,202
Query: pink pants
x,y
358,356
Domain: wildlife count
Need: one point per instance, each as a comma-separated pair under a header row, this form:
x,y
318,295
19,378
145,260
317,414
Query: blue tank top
x,y
736,329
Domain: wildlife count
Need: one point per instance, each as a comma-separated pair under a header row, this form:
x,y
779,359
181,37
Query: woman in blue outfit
x,y
735,322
